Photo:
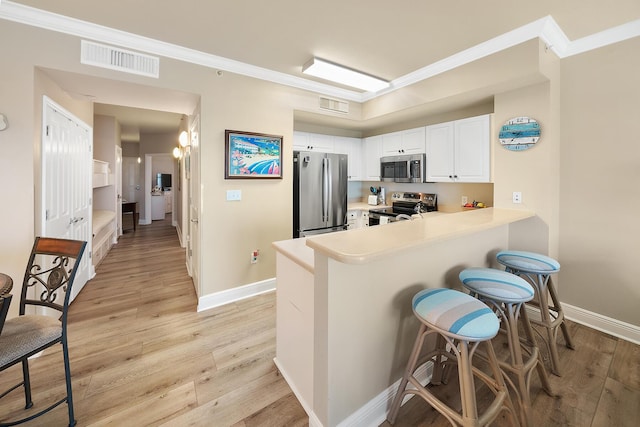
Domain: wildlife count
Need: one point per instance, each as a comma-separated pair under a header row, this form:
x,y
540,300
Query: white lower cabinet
x,y
357,218
459,151
294,327
157,206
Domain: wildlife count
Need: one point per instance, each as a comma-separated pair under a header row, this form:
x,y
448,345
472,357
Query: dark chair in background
x,y
48,278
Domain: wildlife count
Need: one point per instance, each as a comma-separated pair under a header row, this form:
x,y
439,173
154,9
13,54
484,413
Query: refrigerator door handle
x,y
329,188
325,188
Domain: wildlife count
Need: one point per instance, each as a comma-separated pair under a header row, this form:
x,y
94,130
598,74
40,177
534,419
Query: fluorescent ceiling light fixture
x,y
336,73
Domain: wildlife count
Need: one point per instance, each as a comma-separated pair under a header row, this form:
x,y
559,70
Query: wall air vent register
x,y
114,58
334,105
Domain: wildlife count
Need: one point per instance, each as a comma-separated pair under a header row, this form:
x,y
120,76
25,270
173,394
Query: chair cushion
x,y
23,334
528,262
497,285
457,313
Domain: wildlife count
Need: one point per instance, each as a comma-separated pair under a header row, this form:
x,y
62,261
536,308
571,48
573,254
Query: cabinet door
x,y
322,143
473,149
413,141
352,147
300,141
392,144
372,148
440,152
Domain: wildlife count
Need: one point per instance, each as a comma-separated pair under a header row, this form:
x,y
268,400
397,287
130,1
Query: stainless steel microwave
x,y
405,168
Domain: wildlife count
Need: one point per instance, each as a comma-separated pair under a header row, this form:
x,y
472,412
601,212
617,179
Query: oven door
x,y
376,218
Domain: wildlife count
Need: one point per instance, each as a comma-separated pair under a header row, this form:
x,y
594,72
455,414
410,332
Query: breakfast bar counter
x,y
344,322
368,244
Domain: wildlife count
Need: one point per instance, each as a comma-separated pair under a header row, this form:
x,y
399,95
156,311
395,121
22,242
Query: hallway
x,y
142,355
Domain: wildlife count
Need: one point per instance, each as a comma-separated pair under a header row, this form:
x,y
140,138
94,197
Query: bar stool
x,y
537,269
507,293
461,323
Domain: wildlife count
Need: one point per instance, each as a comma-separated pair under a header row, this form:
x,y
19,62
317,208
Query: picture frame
x,y
250,155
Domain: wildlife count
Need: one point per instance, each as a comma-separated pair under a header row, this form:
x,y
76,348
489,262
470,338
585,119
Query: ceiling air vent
x,y
114,58
334,105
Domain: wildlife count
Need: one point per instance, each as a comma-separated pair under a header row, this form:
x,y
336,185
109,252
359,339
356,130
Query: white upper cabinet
x,y
303,141
410,141
353,148
459,151
372,148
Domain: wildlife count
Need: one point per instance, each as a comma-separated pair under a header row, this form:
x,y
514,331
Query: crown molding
x,y
545,29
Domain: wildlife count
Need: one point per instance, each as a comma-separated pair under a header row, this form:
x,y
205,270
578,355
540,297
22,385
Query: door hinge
x,y
47,130
91,254
46,214
90,200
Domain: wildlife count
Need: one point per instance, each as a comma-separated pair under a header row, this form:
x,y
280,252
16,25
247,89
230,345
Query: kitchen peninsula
x,y
344,322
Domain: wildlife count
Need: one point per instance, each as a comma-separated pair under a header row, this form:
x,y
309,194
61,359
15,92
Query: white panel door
x,y
118,179
192,171
130,179
67,170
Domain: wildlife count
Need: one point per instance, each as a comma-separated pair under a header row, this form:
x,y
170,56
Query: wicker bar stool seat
x,y
461,323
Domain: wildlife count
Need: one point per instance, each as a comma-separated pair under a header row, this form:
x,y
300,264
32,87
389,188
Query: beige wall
x,y
106,135
233,229
600,181
599,88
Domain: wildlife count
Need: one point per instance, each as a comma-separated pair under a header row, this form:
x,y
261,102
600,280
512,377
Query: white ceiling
x,y
380,37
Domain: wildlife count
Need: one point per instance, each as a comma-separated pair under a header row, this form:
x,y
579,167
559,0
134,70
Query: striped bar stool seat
x,y
537,269
461,323
507,294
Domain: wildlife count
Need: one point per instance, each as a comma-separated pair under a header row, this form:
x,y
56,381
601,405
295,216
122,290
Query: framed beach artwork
x,y
519,133
252,155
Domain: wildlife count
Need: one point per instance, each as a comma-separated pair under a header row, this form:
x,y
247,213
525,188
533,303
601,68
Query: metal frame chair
x,y
51,269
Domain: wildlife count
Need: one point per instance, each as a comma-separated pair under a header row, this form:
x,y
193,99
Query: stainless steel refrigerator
x,y
319,193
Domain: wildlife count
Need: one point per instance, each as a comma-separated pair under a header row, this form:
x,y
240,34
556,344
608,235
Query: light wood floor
x,y
141,355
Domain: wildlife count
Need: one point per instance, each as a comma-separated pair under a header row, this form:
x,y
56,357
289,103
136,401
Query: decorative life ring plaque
x,y
519,133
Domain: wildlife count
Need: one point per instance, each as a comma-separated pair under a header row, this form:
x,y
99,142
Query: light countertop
x,y
364,245
362,206
296,250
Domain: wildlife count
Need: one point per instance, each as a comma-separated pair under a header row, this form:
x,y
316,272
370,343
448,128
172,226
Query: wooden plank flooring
x,y
142,356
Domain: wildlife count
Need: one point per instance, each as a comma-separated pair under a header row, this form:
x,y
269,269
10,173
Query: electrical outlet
x,y
517,197
465,200
254,256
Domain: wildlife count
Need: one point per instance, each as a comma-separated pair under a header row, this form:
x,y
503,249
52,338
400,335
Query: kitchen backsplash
x,y
449,194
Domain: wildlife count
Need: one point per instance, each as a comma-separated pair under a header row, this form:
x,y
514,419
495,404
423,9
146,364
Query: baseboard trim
x,y
599,322
374,412
217,299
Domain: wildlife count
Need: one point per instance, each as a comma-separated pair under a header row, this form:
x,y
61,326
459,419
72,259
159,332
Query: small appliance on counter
x,y
377,196
403,205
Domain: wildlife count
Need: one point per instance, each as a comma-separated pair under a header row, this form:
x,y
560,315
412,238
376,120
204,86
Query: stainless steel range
x,y
403,206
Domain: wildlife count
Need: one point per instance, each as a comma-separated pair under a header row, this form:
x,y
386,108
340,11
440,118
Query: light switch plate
x,y
234,195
